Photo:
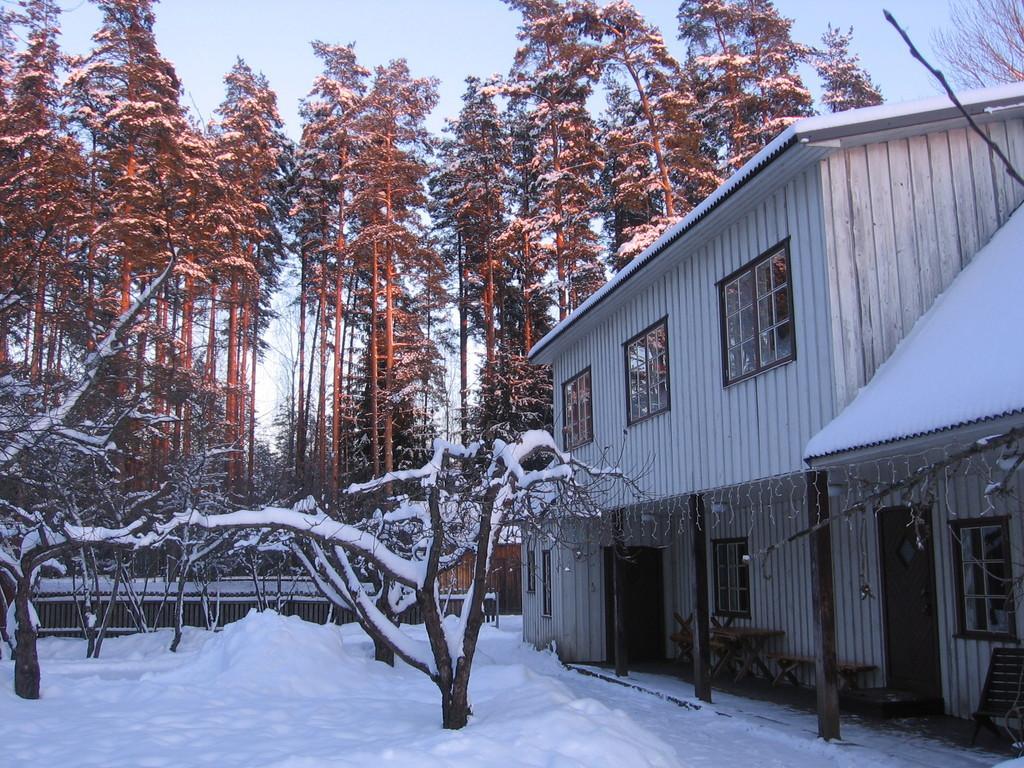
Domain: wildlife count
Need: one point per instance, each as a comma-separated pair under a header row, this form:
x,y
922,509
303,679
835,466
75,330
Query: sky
x,y
451,39
448,40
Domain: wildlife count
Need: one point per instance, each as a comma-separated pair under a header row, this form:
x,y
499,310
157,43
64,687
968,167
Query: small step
x,y
890,703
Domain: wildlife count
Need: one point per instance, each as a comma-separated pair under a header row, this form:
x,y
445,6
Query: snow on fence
x,y
150,604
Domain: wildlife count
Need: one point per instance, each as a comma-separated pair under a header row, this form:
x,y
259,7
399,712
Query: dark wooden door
x,y
645,604
911,631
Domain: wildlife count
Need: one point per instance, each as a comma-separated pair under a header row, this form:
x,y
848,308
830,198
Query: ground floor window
x,y
545,581
732,578
981,551
531,570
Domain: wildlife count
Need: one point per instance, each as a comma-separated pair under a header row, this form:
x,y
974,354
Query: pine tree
x,y
470,210
154,190
651,138
41,186
846,84
389,199
330,145
746,67
553,75
248,141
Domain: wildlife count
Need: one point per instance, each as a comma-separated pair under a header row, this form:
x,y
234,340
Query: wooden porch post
x,y
619,592
823,598
702,619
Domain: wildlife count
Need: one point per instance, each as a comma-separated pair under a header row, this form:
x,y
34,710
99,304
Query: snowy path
x,y
270,691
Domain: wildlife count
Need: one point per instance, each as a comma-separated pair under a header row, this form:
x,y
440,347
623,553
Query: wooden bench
x,y
683,638
1002,698
788,663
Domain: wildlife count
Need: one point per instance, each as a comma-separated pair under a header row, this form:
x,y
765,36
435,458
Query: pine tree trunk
x,y
211,339
463,346
231,388
26,661
389,366
300,433
321,416
374,373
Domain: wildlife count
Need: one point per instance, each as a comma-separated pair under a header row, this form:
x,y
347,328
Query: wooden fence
x,y
506,579
60,613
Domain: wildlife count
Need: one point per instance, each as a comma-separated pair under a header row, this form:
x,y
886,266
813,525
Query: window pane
x,y
779,271
747,356
971,543
746,282
735,363
747,323
975,615
974,579
764,313
764,279
783,341
767,347
781,306
732,297
993,540
998,616
733,330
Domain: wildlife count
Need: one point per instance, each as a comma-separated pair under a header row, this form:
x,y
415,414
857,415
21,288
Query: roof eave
x,y
920,443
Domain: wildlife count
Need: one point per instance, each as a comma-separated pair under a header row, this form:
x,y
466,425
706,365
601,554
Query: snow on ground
x,y
276,691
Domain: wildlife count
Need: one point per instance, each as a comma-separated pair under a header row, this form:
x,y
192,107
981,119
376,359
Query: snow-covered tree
x,y
746,62
659,168
43,514
41,199
553,76
415,523
468,192
846,84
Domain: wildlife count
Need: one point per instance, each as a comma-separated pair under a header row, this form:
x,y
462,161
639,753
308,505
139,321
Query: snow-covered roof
x,y
960,364
821,128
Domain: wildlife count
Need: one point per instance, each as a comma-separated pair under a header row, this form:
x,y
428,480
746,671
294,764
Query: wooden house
x,y
773,359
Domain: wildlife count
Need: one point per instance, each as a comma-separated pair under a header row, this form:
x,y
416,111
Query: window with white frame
x,y
647,385
984,578
757,316
732,578
578,410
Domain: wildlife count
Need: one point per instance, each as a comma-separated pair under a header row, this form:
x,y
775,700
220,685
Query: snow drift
x,y
277,691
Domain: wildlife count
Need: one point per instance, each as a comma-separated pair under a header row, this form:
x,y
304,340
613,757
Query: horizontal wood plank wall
x,y
903,217
714,435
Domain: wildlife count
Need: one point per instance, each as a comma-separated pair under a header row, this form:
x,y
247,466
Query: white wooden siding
x,y
714,435
902,218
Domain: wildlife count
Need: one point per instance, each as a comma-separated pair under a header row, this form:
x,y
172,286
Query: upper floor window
x,y
757,316
732,578
647,372
981,552
578,410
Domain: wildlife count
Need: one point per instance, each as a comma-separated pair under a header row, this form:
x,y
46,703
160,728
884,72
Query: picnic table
x,y
744,648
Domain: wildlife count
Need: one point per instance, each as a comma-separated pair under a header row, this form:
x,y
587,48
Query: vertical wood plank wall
x,y
902,218
714,435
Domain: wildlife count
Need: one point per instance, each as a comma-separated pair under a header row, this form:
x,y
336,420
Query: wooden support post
x,y
701,614
823,598
619,590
